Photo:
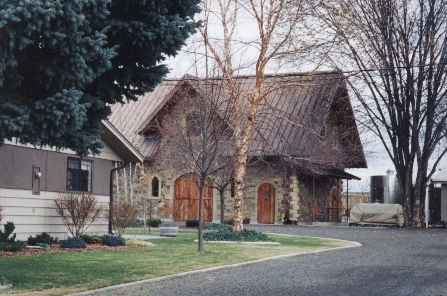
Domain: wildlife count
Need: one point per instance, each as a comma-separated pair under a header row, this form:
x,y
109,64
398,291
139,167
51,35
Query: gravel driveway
x,y
390,262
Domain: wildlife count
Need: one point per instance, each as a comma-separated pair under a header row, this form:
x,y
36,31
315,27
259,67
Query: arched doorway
x,y
266,203
187,198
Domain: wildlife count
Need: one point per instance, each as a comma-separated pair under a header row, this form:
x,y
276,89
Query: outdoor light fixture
x,y
37,175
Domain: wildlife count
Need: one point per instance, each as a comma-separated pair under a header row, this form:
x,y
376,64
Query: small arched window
x,y
155,187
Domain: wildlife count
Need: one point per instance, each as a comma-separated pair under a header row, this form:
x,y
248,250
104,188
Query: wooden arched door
x,y
187,199
266,204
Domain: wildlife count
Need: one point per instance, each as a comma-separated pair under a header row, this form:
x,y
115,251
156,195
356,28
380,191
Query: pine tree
x,y
62,62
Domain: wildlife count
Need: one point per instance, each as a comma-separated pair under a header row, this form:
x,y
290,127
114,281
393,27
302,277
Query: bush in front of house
x,y
153,222
78,210
192,223
229,222
43,238
113,241
73,243
124,216
139,223
230,235
215,226
9,243
12,247
149,222
91,239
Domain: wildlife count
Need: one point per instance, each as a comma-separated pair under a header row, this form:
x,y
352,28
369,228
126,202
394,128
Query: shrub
x,y
192,223
91,239
229,222
13,246
216,226
73,243
43,238
8,242
139,223
112,240
153,222
9,229
230,235
149,222
78,210
42,245
124,216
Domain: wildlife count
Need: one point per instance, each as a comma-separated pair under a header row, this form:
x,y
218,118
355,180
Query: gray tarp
x,y
377,214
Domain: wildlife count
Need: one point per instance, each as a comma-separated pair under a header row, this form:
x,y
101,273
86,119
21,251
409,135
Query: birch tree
x,y
241,35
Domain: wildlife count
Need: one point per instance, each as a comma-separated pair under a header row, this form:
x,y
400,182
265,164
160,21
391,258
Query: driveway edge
x,y
186,273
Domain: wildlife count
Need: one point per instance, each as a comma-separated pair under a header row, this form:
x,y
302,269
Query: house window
x,y
79,175
155,185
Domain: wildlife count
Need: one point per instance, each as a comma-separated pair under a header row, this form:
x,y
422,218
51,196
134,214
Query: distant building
x,y
385,189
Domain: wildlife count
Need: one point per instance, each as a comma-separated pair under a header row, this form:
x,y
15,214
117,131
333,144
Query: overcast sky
x,y
377,159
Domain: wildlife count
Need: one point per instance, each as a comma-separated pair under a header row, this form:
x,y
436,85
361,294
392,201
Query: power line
x,y
301,74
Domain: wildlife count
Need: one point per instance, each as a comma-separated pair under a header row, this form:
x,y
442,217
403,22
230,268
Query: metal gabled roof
x,y
289,120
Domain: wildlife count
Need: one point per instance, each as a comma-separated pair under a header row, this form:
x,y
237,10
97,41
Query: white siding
x,y
34,214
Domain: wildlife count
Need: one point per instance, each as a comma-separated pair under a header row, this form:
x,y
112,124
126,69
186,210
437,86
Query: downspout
x,y
111,196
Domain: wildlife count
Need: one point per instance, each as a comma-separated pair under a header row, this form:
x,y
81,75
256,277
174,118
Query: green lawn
x,y
58,274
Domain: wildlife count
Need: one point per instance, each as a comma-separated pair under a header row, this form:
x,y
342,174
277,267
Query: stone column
x,y
294,198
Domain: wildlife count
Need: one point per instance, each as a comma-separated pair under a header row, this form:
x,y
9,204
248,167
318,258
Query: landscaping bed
x,y
55,248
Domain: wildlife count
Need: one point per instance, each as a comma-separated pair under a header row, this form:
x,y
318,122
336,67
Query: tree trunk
x,y
238,213
243,136
222,205
408,199
200,232
419,197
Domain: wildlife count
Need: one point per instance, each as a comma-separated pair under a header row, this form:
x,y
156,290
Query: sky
x,y
186,62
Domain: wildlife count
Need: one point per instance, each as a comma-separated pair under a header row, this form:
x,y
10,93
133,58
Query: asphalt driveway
x,y
390,262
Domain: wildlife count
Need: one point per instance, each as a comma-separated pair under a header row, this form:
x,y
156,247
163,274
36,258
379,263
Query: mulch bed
x,y
56,248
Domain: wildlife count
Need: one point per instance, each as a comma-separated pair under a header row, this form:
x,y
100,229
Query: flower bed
x,y
55,248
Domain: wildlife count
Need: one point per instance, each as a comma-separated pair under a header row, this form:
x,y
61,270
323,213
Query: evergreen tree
x,y
62,62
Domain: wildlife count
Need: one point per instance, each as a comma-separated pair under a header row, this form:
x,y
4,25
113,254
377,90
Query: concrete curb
x,y
3,288
183,274
239,242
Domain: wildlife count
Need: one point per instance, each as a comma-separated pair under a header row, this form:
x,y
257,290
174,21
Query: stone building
x,y
305,136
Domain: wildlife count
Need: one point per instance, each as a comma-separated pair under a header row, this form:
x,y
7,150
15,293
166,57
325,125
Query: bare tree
x,y
78,210
124,216
200,139
400,51
273,25
221,179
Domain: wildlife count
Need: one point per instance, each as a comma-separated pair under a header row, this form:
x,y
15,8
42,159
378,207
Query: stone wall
x,y
257,175
293,193
301,196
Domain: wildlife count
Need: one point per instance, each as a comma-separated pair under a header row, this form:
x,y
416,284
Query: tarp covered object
x,y
377,214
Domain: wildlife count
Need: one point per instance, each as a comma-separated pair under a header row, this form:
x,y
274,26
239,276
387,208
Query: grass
x,y
63,273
